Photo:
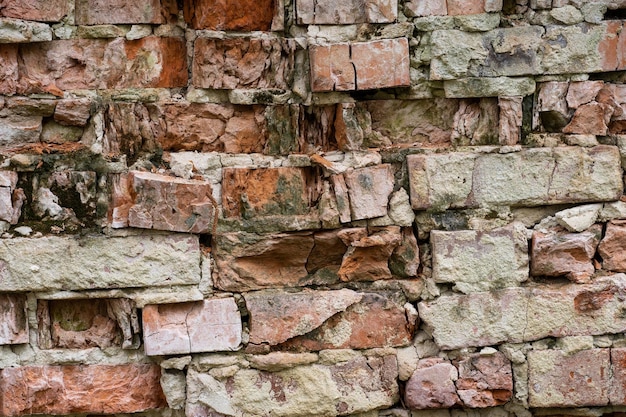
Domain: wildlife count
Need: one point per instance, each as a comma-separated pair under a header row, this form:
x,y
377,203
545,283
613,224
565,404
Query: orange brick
x,y
242,15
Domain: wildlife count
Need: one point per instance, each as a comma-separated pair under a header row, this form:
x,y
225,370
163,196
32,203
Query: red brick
x,y
162,202
611,247
321,12
465,7
99,12
240,15
331,68
202,326
98,389
243,63
381,64
428,7
369,189
367,257
13,319
40,10
608,47
559,380
8,69
250,193
617,392
432,385
151,62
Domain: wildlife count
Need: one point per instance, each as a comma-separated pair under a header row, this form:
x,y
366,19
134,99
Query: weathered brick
x,y
559,380
202,326
8,68
17,130
95,63
240,15
533,177
367,256
243,63
322,12
565,254
98,389
351,387
13,319
369,190
427,8
432,385
40,10
611,246
484,380
11,197
163,202
98,262
480,261
73,112
464,7
97,12
360,66
526,314
258,192
617,389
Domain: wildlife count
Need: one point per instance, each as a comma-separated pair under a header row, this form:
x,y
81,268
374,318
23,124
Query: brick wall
x,y
372,208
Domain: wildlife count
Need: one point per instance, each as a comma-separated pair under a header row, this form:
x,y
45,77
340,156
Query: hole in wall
x,y
616,14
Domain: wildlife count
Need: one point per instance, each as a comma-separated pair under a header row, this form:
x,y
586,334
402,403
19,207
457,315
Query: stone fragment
x,y
73,112
94,12
559,380
246,261
243,63
369,189
38,10
533,177
583,92
248,193
155,62
510,120
278,317
202,326
381,64
578,218
568,15
279,361
18,31
11,197
8,68
357,385
359,66
590,119
612,211
432,385
480,261
427,8
80,389
617,388
173,385
242,15
405,259
484,380
13,319
17,130
352,328
465,7
163,202
324,12
91,262
520,315
367,257
571,255
611,246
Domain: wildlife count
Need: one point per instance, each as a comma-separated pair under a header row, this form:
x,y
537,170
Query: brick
x,y
331,68
40,10
432,385
13,319
11,197
582,92
617,390
511,114
533,177
427,7
353,386
523,314
484,380
369,189
8,68
360,66
163,202
73,112
465,7
480,261
240,15
92,262
202,326
20,31
248,193
235,63
571,255
559,380
80,389
381,64
151,62
17,130
97,12
611,246
590,119
352,328
277,317
324,12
